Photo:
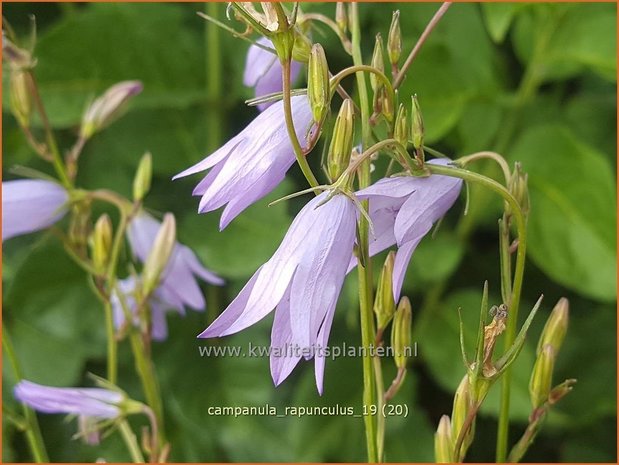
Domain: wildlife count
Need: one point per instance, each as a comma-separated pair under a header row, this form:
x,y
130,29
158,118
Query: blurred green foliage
x,y
533,81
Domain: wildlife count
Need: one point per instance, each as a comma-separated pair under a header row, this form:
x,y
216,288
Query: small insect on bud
x,y
459,413
340,148
101,243
160,254
416,124
541,378
378,62
108,107
341,18
384,305
19,97
301,48
143,175
443,443
401,332
519,188
556,326
394,40
318,83
400,131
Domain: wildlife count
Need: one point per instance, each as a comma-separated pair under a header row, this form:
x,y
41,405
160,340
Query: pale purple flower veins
x,y
251,164
30,205
263,71
302,282
89,402
403,210
178,286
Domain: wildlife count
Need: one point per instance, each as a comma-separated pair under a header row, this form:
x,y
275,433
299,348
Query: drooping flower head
x,y
30,205
178,286
90,402
263,71
251,164
403,210
302,282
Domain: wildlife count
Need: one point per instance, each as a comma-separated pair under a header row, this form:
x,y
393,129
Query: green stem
x,y
512,322
112,344
32,431
365,269
296,145
131,442
335,80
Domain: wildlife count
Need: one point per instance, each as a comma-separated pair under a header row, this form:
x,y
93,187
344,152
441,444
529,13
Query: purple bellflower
x,y
90,402
403,210
251,164
30,205
302,282
158,302
263,71
178,286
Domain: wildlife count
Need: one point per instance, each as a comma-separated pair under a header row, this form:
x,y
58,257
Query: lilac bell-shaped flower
x,y
30,205
263,71
251,164
403,210
90,402
179,285
302,282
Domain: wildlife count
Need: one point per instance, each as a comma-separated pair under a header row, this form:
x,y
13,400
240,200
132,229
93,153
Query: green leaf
x,y
498,18
247,242
572,223
435,259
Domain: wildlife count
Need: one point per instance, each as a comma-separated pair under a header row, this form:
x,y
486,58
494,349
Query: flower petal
x,y
283,357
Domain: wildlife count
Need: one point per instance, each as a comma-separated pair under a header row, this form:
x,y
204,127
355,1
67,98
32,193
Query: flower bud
x,y
400,131
143,175
318,83
101,243
108,107
386,104
341,143
301,48
340,17
394,40
518,187
19,96
459,413
556,327
541,378
401,332
416,124
443,443
378,62
384,305
160,254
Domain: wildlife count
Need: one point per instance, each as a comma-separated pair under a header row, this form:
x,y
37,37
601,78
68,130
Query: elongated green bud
x,y
341,18
378,62
417,131
101,243
160,254
443,442
318,83
556,327
541,378
518,187
301,48
19,96
340,148
400,131
143,175
394,40
459,413
384,305
401,332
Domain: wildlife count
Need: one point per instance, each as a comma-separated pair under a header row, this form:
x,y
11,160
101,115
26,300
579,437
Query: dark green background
x,y
536,82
